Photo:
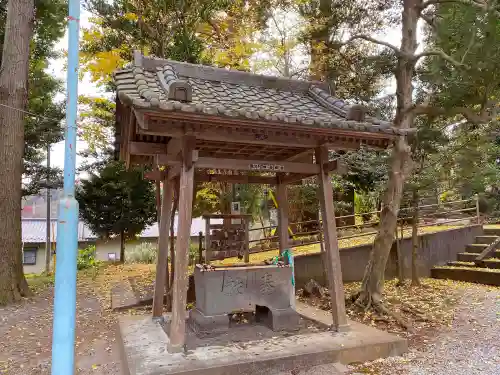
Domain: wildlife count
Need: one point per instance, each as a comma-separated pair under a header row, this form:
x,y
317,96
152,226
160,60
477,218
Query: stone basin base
x,y
274,319
252,350
265,290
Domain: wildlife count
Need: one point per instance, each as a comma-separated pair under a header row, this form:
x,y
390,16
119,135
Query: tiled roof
x,y
34,231
175,86
197,226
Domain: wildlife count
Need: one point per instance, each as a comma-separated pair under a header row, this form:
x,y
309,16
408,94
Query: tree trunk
x,y
122,247
13,94
415,280
373,280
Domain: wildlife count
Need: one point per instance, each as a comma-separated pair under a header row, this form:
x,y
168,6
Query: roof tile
x,y
237,94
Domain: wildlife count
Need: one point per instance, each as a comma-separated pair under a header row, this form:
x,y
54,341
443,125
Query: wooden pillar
x,y
178,323
333,266
284,242
162,261
246,222
281,198
207,241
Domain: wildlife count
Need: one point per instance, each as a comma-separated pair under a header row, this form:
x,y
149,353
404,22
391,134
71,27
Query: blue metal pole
x,y
63,338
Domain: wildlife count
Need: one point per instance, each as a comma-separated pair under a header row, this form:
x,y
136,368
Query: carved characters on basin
x,y
242,288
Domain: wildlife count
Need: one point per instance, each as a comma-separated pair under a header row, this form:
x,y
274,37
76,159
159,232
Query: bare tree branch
x,y
441,53
471,44
373,40
487,113
481,4
429,20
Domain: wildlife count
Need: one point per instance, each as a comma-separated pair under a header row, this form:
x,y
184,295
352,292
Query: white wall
x,y
112,246
39,267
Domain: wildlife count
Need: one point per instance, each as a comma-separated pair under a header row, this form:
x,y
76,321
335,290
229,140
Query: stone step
x,y
471,257
485,239
491,231
457,263
475,248
490,263
495,264
467,257
469,274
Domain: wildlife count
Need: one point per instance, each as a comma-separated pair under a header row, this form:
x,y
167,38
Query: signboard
x,y
267,167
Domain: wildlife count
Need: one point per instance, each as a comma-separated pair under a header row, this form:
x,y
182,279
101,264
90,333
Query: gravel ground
x,y
26,336
471,346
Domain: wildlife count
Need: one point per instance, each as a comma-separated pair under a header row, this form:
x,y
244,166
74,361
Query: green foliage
x,y
48,28
97,122
86,258
364,202
366,170
145,252
192,31
359,70
113,200
471,36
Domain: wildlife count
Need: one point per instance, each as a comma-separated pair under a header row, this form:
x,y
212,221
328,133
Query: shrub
x,y
142,253
86,258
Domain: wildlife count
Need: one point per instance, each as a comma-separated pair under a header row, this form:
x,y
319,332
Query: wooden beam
x,y
337,166
175,171
163,243
256,165
178,324
165,159
235,179
299,130
141,118
127,138
227,216
156,175
334,273
223,134
147,149
174,146
295,177
301,156
189,154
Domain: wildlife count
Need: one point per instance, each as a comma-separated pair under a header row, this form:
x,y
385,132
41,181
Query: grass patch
x,y
343,243
39,282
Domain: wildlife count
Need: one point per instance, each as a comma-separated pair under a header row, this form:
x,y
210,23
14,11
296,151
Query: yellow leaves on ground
x,y
343,243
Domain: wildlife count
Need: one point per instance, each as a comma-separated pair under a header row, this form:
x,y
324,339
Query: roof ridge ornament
x,y
175,88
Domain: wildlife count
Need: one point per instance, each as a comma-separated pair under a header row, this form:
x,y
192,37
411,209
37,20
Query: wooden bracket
x,y
337,166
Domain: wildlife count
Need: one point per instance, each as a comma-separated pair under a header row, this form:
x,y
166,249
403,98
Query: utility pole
x,y
47,238
63,338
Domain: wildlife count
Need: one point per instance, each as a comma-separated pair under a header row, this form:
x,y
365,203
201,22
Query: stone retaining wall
x,y
435,249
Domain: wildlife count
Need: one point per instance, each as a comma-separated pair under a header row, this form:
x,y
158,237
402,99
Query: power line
x,y
29,113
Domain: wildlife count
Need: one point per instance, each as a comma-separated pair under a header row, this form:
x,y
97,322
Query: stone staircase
x,y
465,269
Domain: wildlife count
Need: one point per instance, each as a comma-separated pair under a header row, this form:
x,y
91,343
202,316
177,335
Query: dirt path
x,y
26,336
470,346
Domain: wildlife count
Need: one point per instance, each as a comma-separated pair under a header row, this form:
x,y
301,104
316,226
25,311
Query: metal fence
x,y
457,213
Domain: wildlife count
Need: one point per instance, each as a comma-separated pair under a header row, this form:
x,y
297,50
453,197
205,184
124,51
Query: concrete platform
x,y
254,349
